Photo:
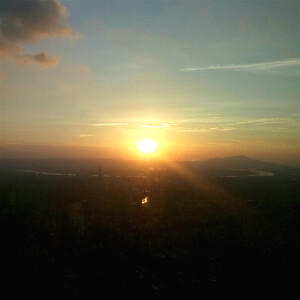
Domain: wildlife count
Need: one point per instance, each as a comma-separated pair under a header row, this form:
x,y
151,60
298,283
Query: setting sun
x,y
147,146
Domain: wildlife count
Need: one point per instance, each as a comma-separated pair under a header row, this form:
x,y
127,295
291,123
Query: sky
x,y
89,79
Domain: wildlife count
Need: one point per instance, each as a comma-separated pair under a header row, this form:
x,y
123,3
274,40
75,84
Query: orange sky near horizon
x,y
131,152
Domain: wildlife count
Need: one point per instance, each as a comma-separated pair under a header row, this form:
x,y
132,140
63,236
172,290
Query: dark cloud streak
x,y
43,58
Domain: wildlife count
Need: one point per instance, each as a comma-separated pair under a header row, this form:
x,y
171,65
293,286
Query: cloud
x,y
223,128
109,124
220,128
262,66
85,135
43,58
24,22
252,124
195,130
163,125
264,121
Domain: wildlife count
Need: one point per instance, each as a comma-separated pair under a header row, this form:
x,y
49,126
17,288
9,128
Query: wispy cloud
x,y
195,130
109,124
153,125
163,125
219,128
264,121
261,66
85,135
257,124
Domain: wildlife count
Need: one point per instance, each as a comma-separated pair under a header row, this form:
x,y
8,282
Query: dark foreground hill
x,y
85,235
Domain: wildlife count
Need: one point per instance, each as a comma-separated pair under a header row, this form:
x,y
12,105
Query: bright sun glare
x,y
147,146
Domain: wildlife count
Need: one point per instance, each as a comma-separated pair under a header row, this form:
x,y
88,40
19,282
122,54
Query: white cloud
x,y
262,66
163,125
265,121
262,124
109,124
195,130
85,135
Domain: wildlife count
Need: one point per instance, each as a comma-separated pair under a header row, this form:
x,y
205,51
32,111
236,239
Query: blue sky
x,y
223,76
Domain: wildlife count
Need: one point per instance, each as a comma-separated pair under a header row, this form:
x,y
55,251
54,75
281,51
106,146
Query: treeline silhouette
x,y
80,235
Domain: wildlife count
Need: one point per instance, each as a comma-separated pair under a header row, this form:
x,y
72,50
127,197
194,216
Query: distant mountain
x,y
240,162
237,162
